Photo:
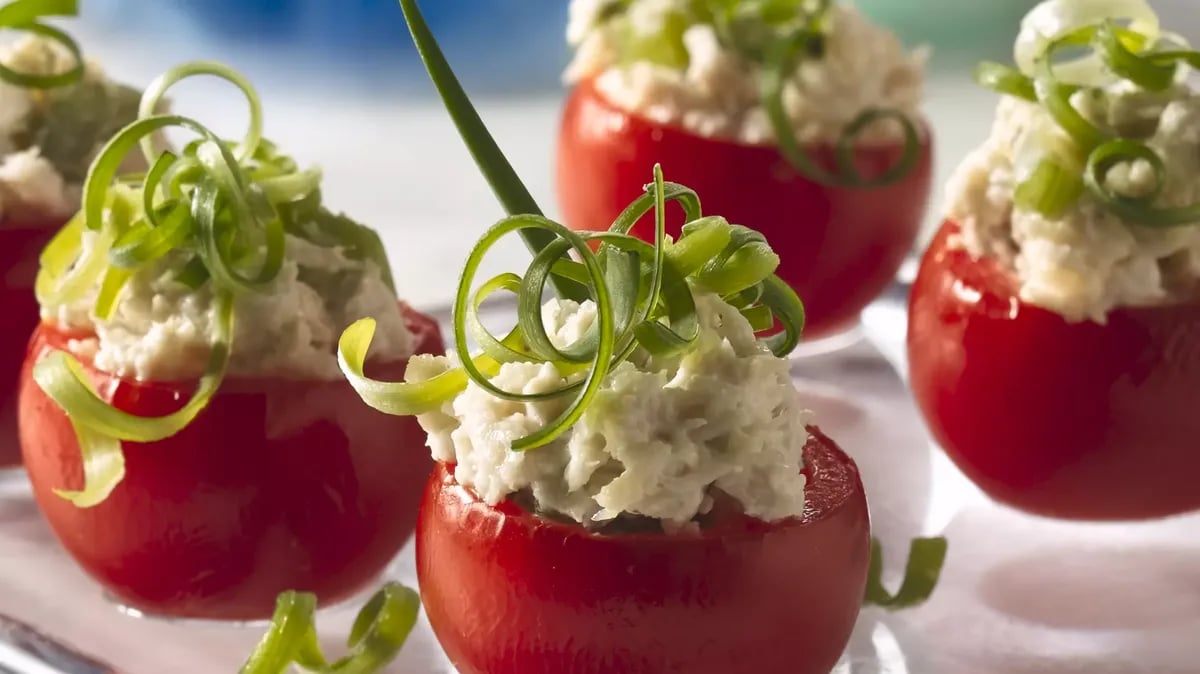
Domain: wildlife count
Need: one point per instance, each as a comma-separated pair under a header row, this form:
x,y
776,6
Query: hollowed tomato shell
x,y
20,247
508,592
1072,420
277,485
839,247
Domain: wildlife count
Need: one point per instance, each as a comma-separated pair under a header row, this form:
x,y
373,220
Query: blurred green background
x,y
960,31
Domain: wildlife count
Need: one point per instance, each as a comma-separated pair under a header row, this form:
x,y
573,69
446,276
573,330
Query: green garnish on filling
x,y
642,291
26,15
1078,157
777,35
216,214
378,633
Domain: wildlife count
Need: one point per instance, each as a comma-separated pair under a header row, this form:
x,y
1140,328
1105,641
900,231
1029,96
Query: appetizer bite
x,y
799,120
56,111
182,416
626,480
1054,327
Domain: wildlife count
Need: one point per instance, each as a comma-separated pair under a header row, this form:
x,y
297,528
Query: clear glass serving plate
x,y
1019,595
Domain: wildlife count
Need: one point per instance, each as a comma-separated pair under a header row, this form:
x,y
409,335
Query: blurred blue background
x,y
499,46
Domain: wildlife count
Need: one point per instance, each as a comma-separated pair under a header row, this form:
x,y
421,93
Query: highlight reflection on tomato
x,y
839,247
277,485
509,592
1071,420
20,246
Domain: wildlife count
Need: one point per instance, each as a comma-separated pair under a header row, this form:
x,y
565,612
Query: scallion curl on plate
x,y
376,637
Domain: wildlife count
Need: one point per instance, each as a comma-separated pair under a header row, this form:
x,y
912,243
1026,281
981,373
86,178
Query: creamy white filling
x,y
718,94
1086,262
162,330
655,442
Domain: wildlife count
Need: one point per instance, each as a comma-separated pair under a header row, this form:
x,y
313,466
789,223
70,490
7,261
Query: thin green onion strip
x,y
211,214
1079,168
26,15
376,637
926,558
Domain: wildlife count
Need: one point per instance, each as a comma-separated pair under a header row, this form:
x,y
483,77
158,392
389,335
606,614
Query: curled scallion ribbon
x,y
644,306
26,15
215,213
379,632
1141,56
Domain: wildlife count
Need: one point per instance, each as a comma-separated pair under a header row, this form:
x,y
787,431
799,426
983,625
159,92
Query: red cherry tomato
x,y
276,485
20,247
839,247
1071,420
508,592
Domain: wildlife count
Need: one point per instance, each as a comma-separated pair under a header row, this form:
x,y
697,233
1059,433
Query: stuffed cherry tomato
x,y
627,480
279,483
57,113
183,419
679,84
510,591
669,512
1054,326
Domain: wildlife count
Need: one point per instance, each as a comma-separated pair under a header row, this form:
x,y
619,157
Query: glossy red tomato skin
x,y
839,247
1068,420
277,485
508,592
20,246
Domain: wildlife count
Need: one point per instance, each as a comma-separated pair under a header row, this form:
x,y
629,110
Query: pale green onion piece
x,y
152,181
760,317
1050,190
1005,80
144,243
398,398
701,240
291,634
780,63
788,310
379,632
110,289
103,468
606,337
1135,210
29,81
63,379
926,557
25,15
152,98
1141,70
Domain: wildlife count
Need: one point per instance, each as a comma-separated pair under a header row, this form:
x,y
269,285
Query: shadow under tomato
x,y
1098,588
1028,595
